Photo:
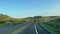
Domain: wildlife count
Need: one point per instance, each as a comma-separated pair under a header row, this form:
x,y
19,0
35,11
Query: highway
x,y
30,28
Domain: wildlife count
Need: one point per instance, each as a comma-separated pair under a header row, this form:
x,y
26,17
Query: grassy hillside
x,y
5,18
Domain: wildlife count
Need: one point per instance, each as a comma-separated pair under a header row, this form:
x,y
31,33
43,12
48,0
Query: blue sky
x,y
26,8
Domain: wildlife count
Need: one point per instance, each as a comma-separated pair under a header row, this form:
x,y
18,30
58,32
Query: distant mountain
x,y
35,17
6,18
41,18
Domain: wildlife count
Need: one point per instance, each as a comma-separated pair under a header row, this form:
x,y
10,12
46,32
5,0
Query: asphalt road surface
x,y
31,28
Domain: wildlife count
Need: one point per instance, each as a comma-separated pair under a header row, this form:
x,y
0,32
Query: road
x,y
31,28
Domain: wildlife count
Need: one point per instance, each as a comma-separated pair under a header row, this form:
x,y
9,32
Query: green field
x,y
54,28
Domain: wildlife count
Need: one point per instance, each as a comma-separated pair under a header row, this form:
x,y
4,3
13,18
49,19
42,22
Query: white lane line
x,y
36,29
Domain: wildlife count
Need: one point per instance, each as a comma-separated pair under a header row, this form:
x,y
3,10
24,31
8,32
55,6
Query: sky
x,y
28,8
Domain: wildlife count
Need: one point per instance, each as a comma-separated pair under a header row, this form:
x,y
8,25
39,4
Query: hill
x,y
6,18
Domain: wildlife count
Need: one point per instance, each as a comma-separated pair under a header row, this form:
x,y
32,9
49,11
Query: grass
x,y
8,24
52,27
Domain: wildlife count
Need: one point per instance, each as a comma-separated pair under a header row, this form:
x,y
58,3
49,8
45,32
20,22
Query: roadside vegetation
x,y
52,25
